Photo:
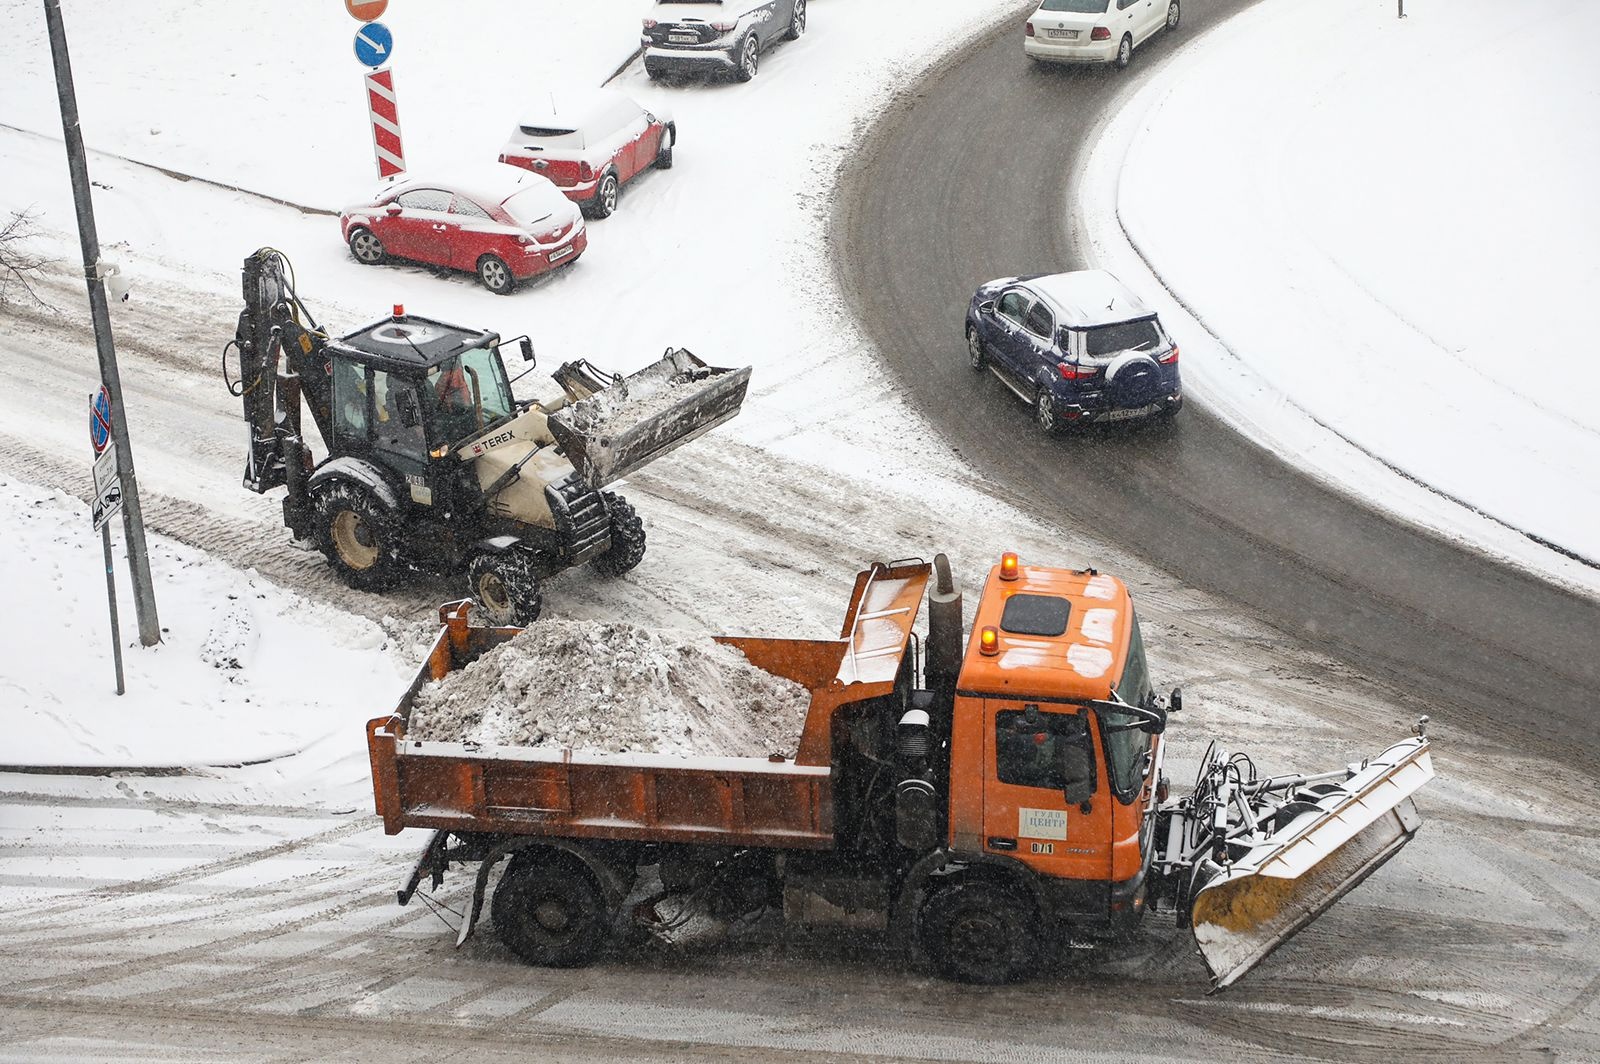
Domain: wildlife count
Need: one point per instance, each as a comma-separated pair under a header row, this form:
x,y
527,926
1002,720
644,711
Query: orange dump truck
x,y
979,797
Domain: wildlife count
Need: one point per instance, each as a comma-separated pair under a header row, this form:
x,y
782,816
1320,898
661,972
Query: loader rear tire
x,y
549,911
358,534
979,932
627,537
506,587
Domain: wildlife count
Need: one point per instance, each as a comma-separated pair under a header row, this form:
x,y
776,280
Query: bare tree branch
x,y
19,267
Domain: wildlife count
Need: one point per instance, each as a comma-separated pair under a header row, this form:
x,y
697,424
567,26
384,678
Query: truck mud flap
x,y
634,420
1338,836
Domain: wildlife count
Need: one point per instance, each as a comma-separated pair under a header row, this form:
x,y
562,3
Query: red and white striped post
x,y
385,123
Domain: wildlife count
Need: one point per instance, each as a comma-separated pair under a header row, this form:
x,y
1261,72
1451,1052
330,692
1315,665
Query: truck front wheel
x,y
978,932
549,911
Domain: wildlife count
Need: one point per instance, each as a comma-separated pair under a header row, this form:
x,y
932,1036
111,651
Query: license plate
x,y
1124,415
683,38
557,256
1070,35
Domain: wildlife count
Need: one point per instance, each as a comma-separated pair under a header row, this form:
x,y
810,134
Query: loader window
x,y
468,393
1038,749
398,429
349,403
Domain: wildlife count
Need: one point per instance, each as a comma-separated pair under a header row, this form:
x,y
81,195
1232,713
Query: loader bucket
x,y
633,420
1340,835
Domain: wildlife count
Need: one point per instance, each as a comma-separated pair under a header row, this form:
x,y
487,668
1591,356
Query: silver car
x,y
720,36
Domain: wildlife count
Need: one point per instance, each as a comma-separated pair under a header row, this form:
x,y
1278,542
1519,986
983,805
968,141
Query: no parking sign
x,y
100,421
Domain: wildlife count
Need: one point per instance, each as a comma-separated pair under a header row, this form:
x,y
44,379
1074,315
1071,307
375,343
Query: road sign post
x,y
385,116
144,593
107,501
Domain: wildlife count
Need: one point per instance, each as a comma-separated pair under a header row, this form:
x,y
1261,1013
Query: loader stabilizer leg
x,y
1329,838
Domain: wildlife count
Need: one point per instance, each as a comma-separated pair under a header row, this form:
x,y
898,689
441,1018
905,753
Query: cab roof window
x,y
1035,615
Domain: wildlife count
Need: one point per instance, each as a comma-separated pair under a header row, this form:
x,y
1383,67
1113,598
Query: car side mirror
x,y
1077,769
1175,703
392,210
986,307
527,349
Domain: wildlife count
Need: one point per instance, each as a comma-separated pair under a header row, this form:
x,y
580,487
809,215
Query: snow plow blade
x,y
1329,839
618,424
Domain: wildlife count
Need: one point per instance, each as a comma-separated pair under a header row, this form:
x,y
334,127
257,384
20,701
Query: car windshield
x,y
528,207
1127,336
1078,7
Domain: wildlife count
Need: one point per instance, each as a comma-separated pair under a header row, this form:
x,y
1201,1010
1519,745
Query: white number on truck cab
x,y
1041,823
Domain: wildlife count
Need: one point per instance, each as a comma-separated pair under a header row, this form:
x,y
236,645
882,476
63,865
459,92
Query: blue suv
x,y
1078,347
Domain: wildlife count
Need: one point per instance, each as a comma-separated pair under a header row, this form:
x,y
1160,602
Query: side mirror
x,y
392,210
986,307
527,349
1175,703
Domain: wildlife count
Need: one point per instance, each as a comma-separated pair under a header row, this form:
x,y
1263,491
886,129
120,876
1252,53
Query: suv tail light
x,y
1070,372
1100,33
1170,357
724,27
1028,30
585,172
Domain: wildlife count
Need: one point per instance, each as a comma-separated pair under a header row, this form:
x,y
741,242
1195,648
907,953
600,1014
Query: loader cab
x,y
1044,769
408,390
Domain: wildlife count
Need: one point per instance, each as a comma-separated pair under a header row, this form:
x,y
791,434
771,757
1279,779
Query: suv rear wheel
x,y
749,59
1044,411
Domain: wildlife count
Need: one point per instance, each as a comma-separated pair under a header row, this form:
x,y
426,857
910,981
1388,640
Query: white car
x,y
1095,31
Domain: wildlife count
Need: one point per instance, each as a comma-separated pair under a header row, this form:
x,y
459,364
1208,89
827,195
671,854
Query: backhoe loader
x,y
430,463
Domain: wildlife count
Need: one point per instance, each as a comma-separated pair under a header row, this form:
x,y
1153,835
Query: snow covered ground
x,y
1379,239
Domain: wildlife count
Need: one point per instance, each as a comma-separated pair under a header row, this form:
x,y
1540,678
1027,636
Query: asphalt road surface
x,y
970,180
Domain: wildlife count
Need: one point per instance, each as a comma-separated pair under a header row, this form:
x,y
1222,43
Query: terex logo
x,y
491,443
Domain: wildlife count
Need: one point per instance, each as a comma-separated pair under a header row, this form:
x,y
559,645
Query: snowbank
x,y
245,672
1388,226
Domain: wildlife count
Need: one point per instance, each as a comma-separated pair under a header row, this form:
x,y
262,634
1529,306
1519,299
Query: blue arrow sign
x,y
374,44
100,421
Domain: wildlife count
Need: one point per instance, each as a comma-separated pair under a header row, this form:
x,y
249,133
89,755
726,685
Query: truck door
x,y
399,440
1033,751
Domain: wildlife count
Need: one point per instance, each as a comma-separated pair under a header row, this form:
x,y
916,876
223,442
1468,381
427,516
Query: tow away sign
x,y
107,488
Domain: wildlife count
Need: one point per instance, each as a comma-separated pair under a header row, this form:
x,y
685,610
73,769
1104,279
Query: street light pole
x,y
144,595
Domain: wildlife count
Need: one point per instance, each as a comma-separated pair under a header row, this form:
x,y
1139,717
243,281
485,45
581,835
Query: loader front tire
x,y
979,932
506,587
627,537
549,911
358,534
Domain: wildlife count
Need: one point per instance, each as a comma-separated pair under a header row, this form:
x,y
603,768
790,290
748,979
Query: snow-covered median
x,y
1382,237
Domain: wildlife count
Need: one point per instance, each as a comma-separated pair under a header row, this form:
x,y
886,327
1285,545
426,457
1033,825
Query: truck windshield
x,y
1125,748
468,394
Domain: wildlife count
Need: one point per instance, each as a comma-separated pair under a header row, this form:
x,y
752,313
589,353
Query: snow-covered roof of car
x,y
1085,298
490,184
597,110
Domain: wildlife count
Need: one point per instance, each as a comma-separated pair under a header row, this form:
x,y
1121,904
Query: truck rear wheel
x,y
358,534
979,932
506,587
549,911
627,537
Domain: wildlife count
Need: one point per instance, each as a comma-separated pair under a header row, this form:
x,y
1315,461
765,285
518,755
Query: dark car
x,y
720,36
1078,347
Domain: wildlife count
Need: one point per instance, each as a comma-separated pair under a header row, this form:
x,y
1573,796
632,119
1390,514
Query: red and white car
x,y
503,224
589,143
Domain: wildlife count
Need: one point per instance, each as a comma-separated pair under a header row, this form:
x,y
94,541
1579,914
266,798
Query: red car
x,y
589,143
503,224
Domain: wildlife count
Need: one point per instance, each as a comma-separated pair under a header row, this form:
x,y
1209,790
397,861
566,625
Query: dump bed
x,y
776,802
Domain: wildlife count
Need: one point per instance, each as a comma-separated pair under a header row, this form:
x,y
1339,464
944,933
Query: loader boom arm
x,y
280,361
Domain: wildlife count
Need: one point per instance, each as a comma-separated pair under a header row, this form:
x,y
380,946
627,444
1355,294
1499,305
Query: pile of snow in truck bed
x,y
616,688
